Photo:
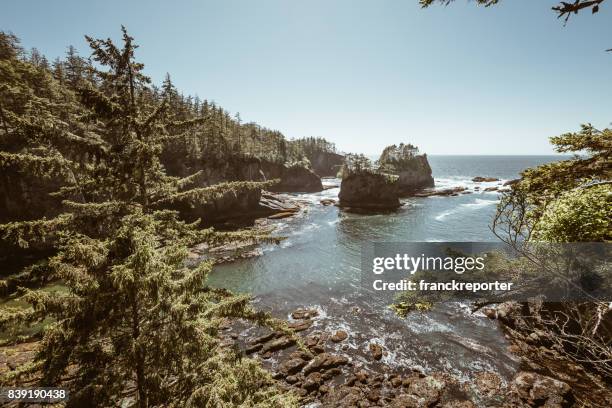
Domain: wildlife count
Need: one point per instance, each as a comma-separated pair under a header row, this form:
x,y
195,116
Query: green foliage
x,y
563,9
395,159
355,163
521,209
579,215
133,325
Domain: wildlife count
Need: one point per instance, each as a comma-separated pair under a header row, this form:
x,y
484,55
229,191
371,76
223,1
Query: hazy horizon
x,y
457,80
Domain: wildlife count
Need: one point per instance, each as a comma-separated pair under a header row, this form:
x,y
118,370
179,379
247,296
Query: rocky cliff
x,y
245,206
296,179
416,176
369,191
412,168
326,164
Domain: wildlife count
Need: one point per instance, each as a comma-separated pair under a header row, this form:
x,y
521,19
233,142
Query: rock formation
x,y
326,164
369,191
297,179
412,168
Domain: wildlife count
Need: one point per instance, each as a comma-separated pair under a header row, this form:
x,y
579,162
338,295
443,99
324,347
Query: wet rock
x,y
328,201
300,326
301,354
538,390
278,344
442,192
253,348
396,382
488,383
373,395
511,182
490,313
329,374
376,350
484,179
291,379
339,336
426,390
362,376
317,349
313,381
459,404
300,314
325,361
292,366
494,188
281,215
263,339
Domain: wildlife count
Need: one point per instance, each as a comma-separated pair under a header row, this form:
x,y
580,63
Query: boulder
x,y
292,366
300,314
324,361
369,191
538,390
376,350
339,336
300,325
278,344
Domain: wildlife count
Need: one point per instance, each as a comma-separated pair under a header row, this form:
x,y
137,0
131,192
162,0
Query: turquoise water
x,y
319,263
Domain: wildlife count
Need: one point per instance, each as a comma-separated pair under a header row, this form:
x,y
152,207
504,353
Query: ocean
x,y
319,265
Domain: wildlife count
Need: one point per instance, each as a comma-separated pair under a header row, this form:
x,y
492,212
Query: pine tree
x,y
133,324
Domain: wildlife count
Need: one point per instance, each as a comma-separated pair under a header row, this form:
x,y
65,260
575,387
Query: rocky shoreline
x,y
320,367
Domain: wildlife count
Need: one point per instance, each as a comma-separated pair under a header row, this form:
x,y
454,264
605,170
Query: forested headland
x,y
98,165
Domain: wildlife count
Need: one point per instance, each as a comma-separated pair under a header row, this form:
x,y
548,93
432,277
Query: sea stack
x,y
411,167
369,191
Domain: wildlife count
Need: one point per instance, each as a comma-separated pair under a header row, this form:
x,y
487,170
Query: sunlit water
x,y
319,265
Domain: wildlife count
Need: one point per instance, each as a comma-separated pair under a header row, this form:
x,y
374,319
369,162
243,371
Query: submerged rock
x,y
484,179
444,192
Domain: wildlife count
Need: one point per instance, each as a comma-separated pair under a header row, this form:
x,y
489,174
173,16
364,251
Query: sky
x,y
364,74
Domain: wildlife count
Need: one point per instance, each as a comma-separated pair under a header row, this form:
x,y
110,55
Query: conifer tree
x,y
133,324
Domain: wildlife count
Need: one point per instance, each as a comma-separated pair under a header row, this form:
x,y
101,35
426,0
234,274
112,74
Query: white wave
x,y
445,214
479,203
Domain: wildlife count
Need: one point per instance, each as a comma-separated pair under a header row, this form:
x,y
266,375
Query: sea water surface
x,y
319,265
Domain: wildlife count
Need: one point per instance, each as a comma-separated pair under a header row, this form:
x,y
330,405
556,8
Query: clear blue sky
x,y
364,74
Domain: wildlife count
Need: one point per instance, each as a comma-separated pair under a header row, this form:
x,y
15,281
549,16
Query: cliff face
x,y
369,191
296,179
412,168
292,178
326,164
416,176
246,206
